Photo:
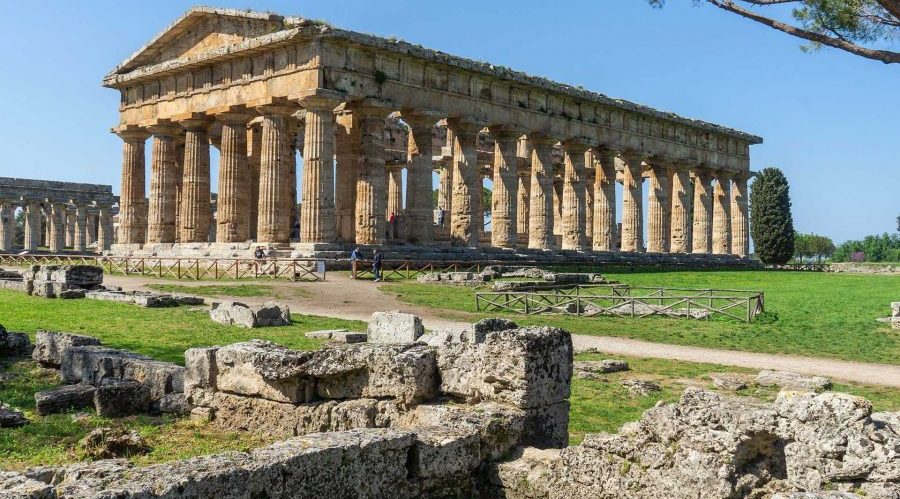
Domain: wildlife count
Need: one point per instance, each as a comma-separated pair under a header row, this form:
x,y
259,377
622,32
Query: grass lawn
x,y
163,333
807,313
240,290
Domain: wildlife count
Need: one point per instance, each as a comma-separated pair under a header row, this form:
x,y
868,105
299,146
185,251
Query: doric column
x,y
179,183
57,240
80,243
196,214
234,179
91,229
104,229
419,204
573,202
506,187
445,187
70,227
7,225
605,199
702,229
632,203
740,220
295,130
523,202
370,188
540,223
721,237
393,179
32,225
274,222
557,205
466,216
132,204
680,225
589,175
658,201
347,140
254,142
45,220
317,222
163,201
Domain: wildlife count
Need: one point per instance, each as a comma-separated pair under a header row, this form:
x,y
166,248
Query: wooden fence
x,y
627,301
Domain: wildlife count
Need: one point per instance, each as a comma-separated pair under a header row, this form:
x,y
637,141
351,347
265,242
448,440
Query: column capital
x,y
506,131
682,165
632,156
576,145
232,115
164,128
319,98
659,162
541,138
370,108
465,124
131,133
420,117
194,121
277,106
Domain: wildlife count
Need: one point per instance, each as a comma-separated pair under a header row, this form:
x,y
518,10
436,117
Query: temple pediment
x,y
200,30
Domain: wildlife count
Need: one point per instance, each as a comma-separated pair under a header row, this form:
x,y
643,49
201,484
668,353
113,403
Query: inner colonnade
x,y
360,109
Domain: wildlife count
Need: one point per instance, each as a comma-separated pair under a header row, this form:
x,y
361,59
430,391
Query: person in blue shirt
x,y
376,265
355,256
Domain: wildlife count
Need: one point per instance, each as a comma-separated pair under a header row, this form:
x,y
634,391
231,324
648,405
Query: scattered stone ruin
x,y
53,281
232,313
894,318
542,279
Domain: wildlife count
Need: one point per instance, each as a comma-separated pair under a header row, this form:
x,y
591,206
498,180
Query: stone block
x,y
174,403
895,309
394,327
14,344
93,364
444,452
500,428
16,485
491,325
283,419
49,346
64,398
547,427
526,367
353,414
337,336
592,369
730,381
117,398
199,368
271,314
11,417
793,381
243,315
405,372
259,368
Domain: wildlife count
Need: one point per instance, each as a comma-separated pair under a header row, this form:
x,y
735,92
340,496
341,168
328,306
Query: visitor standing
x,y
355,257
376,265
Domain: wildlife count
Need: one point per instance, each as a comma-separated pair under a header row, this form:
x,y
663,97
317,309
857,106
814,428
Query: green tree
x,y
771,224
854,26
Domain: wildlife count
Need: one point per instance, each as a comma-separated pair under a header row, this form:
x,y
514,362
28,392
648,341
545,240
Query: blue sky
x,y
829,119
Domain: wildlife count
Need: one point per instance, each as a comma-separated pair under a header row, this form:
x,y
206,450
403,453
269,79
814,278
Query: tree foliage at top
x,y
874,248
771,224
812,246
855,26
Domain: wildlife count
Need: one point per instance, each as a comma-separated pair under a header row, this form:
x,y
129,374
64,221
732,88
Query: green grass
x,y
163,333
807,313
240,290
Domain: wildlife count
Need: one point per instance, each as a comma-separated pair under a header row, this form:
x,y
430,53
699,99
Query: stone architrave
x,y
505,194
274,223
132,204
234,179
466,215
680,225
370,188
161,216
419,205
57,227
632,203
702,229
740,220
574,205
658,201
347,139
605,200
196,214
721,237
540,223
317,220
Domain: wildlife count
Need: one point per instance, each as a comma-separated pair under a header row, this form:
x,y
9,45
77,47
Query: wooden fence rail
x,y
627,301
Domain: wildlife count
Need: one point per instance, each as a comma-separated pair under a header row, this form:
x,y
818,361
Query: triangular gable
x,y
199,30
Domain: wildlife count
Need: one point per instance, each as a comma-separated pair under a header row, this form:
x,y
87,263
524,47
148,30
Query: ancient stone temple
x,y
373,120
58,215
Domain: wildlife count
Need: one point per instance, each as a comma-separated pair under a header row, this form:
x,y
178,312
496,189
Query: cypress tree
x,y
771,224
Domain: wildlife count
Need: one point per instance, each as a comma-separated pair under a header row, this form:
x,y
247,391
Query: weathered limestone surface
x,y
239,314
317,221
680,229
132,205
658,212
632,204
721,236
466,215
12,344
574,218
370,187
94,364
394,327
116,398
605,234
792,381
740,217
11,418
163,170
540,211
506,189
702,228
64,398
234,180
49,346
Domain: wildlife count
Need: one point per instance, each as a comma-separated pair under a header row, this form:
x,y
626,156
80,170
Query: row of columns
x,y
64,227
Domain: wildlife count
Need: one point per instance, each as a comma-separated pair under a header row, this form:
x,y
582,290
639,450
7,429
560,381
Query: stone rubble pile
x,y
147,299
250,316
54,281
337,336
456,278
592,369
711,445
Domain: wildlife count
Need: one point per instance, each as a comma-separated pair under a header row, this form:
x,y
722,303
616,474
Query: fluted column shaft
x,y
80,243
632,204
7,225
234,179
317,222
45,219
179,184
393,179
589,197
702,229
540,223
70,228
254,143
445,188
91,229
680,221
658,215
740,220
419,204
57,240
104,229
274,222
504,197
196,214
605,200
295,130
523,203
32,225
163,192
466,215
721,237
557,206
371,201
346,151
573,202
132,204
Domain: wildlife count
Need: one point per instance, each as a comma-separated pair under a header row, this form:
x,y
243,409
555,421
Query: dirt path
x,y
344,298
